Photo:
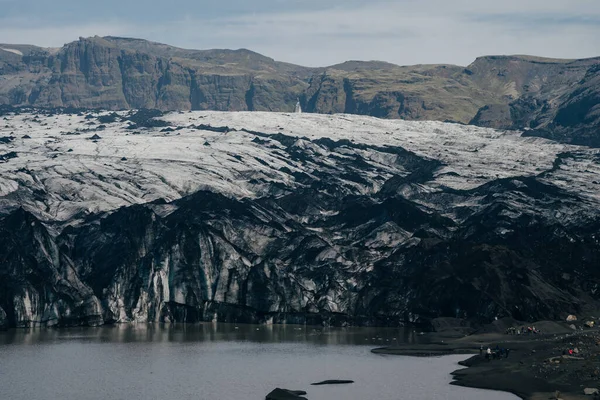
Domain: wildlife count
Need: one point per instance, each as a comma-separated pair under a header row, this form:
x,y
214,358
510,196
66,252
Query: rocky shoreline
x,y
539,366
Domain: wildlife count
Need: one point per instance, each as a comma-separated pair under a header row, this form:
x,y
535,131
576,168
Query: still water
x,y
219,362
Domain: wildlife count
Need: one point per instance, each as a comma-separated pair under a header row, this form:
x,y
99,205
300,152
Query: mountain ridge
x,y
146,42
507,92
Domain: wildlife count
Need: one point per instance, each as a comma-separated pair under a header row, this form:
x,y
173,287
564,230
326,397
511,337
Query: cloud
x,y
318,33
56,36
408,32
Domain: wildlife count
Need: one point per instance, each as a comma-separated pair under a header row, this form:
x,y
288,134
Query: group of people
x,y
496,354
529,330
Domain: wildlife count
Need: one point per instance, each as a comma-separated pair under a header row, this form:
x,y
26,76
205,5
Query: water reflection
x,y
218,361
213,332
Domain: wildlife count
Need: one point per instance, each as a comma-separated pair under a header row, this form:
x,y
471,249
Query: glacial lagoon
x,y
220,362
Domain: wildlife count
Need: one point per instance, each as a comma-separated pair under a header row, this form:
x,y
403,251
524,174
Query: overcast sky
x,y
322,32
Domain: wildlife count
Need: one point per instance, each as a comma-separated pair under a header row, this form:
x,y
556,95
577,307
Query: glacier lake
x,y
219,362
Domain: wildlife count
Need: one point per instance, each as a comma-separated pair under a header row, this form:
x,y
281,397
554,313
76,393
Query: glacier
x,y
288,217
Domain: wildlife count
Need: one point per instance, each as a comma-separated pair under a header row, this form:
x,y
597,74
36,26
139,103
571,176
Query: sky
x,y
322,32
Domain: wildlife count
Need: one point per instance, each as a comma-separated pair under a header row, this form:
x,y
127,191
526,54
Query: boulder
x,y
571,318
285,394
589,324
590,391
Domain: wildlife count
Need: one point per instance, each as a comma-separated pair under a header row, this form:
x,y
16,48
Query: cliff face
x,y
577,116
267,217
554,98
387,91
113,73
37,285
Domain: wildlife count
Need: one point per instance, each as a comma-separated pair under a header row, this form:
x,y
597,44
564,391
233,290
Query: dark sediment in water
x,y
332,382
285,394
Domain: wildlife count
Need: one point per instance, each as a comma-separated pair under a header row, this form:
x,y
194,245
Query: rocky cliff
x,y
116,73
557,99
271,217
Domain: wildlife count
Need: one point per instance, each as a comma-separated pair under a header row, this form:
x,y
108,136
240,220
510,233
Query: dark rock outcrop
x,y
332,382
38,285
577,117
496,116
285,394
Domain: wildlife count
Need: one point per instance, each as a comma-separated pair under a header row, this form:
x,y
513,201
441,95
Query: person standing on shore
x,y
480,350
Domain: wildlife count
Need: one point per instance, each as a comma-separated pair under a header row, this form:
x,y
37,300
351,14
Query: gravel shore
x,y
538,366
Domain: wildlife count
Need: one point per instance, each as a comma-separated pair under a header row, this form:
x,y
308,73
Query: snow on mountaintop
x,y
14,51
66,166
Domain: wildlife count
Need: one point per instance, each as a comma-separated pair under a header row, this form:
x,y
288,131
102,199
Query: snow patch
x,y
14,51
